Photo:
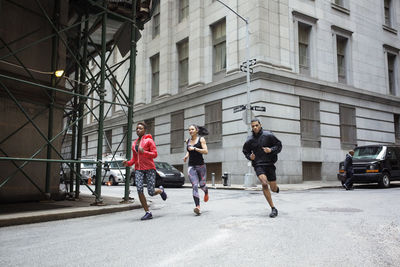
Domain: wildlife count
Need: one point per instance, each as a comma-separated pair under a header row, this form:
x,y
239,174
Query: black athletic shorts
x,y
268,170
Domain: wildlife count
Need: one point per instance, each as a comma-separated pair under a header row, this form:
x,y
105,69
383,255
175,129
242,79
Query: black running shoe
x,y
163,194
274,213
147,216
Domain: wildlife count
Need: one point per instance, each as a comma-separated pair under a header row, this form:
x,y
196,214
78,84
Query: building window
x,y
213,122
183,9
397,128
304,31
108,141
219,46
341,47
341,58
156,21
348,128
310,123
150,129
388,9
177,131
155,75
183,58
342,39
341,6
311,171
339,2
391,59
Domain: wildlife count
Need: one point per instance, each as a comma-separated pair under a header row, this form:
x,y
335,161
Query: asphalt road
x,y
325,227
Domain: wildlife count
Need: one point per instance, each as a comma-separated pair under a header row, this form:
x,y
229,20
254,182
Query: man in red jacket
x,y
143,152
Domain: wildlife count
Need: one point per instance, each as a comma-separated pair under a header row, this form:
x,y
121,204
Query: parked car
x,y
113,171
167,175
88,168
374,164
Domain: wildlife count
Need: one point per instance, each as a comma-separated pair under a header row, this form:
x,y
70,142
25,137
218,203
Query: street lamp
x,y
248,179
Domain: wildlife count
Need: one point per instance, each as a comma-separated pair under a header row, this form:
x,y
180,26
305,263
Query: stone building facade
x,y
327,71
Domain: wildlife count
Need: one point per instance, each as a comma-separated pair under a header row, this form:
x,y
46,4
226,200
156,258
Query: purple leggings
x,y
197,176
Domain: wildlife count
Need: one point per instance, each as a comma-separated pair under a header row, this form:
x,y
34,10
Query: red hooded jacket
x,y
144,161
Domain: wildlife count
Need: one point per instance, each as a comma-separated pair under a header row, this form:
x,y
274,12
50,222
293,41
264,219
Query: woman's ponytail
x,y
202,131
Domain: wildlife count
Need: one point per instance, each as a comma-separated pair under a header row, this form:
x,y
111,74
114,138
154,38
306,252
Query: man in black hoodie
x,y
348,170
262,148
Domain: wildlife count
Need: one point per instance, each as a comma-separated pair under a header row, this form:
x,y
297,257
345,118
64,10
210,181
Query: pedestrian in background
x,y
143,152
262,148
196,146
348,170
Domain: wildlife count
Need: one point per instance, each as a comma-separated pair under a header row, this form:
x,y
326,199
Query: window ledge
x,y
389,29
340,8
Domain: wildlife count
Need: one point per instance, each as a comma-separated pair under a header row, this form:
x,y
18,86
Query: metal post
x,y
132,75
248,178
213,179
54,60
99,200
82,89
73,141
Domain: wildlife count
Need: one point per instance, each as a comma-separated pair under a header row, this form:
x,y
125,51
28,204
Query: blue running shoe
x,y
147,216
163,194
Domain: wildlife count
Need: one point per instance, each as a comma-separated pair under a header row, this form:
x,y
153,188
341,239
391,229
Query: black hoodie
x,y
256,142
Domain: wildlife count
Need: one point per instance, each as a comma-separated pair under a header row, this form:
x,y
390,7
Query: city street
x,y
323,227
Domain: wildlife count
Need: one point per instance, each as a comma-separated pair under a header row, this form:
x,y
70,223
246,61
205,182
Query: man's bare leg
x,y
267,193
274,186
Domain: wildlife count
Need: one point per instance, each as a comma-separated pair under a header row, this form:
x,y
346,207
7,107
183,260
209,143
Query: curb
x,y
258,188
68,213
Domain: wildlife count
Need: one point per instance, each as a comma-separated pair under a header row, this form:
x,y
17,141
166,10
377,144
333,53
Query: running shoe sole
x,y
197,211
163,194
147,216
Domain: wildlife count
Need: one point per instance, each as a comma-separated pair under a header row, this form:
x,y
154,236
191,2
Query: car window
x,y
88,165
397,149
164,165
369,152
116,164
391,153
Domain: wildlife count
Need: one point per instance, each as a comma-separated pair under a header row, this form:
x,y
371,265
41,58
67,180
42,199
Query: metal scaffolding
x,y
85,38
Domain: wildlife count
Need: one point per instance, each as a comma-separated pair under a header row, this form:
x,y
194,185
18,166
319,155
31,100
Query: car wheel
x,y
385,180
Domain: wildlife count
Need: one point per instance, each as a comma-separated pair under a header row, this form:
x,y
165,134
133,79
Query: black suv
x,y
374,164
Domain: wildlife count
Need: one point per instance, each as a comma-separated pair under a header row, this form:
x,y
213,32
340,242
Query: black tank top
x,y
195,158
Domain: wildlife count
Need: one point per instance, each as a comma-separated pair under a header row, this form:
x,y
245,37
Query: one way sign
x,y
258,108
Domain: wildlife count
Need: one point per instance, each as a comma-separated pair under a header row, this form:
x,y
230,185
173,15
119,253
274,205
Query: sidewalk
x,y
34,212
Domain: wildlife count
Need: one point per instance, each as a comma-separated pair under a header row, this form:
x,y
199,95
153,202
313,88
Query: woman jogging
x,y
196,147
143,152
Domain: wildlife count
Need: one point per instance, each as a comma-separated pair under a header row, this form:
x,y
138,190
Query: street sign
x,y
258,108
245,68
239,108
252,62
